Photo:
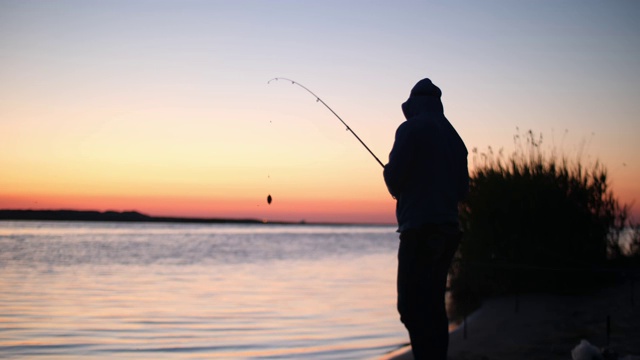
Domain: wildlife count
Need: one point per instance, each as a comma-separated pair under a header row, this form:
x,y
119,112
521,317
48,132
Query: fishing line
x,y
269,198
334,113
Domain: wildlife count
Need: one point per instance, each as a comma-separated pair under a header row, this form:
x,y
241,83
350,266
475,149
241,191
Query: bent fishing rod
x,y
334,113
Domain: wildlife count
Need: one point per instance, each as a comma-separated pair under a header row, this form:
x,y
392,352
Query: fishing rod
x,y
334,113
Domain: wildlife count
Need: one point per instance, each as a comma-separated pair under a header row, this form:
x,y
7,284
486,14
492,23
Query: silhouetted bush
x,y
535,222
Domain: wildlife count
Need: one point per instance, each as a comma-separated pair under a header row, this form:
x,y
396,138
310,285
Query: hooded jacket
x,y
427,170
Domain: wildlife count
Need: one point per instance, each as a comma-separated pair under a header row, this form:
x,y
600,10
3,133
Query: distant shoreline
x,y
124,216
134,216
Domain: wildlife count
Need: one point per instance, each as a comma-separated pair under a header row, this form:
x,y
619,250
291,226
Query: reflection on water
x,y
92,290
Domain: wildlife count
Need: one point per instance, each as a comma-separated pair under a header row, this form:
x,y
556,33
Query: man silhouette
x,y
427,175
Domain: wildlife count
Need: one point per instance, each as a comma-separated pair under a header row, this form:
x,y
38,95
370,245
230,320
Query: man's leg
x,y
424,258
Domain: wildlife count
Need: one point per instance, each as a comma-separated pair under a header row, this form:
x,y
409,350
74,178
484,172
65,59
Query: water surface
x,y
136,291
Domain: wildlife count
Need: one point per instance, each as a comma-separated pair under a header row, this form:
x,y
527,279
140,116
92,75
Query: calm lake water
x,y
78,290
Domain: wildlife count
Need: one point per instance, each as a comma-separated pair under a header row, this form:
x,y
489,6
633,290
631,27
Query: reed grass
x,y
536,220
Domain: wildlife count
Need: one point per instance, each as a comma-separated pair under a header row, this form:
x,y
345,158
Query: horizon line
x,y
137,216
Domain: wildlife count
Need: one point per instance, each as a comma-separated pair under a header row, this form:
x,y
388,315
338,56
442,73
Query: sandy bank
x,y
548,326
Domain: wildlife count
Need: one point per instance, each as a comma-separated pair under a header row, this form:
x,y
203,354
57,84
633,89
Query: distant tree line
x,y
124,216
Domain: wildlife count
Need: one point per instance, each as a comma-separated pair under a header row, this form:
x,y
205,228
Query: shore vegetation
x,y
539,221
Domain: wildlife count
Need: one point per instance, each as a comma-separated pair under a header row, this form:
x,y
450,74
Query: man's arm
x,y
397,170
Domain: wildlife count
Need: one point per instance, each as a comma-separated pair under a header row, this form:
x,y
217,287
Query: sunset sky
x,y
163,106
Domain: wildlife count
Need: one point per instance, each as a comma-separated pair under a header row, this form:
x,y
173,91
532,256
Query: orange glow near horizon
x,y
297,198
282,209
312,176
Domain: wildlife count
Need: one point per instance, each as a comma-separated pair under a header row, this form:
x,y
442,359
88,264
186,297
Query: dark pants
x,y
424,258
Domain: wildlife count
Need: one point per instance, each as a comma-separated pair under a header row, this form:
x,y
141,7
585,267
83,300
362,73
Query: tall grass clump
x,y
535,221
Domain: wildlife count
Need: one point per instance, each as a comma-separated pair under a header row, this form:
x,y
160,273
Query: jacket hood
x,y
424,98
